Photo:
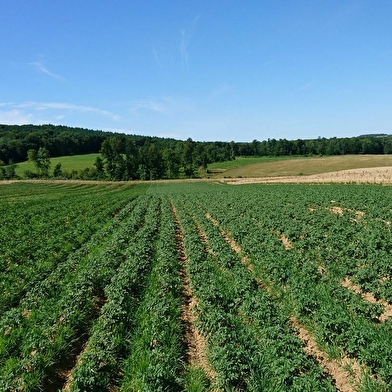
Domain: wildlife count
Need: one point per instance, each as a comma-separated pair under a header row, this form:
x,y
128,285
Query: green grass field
x,y
68,163
294,166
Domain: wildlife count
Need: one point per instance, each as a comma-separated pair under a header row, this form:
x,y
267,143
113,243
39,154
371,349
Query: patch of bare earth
x,y
376,175
67,374
345,371
286,242
233,245
337,210
370,298
194,342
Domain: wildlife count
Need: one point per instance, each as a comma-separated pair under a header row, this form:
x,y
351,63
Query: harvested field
x,y
376,175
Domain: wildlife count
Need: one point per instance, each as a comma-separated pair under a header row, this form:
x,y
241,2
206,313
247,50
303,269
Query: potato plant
x,y
96,279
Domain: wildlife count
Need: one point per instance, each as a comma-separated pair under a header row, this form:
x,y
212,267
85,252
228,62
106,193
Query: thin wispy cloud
x,y
164,105
33,108
157,59
269,62
186,36
151,104
347,11
15,117
66,106
294,122
344,14
43,69
286,123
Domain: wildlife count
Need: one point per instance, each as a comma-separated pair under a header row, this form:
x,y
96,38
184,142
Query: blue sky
x,y
209,70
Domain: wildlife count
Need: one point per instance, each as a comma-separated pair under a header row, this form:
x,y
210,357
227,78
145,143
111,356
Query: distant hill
x,y
59,140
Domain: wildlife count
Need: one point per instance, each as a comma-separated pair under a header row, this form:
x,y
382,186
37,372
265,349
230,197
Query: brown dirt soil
x,y
371,175
229,240
370,298
337,369
378,175
339,211
336,210
286,242
196,347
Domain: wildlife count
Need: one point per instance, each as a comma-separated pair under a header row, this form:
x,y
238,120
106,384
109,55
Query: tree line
x,y
131,157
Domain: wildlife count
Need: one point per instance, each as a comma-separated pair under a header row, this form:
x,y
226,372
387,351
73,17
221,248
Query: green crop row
x,y
98,367
250,342
308,274
155,355
39,235
53,318
92,285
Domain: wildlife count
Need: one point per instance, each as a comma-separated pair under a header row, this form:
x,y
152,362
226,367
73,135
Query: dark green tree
x,y
187,157
41,160
111,150
100,167
7,172
57,172
131,160
171,163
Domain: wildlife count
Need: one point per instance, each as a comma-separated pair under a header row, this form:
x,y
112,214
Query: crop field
x,y
195,287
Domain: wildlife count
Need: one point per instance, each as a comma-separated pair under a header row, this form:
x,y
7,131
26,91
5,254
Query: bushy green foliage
x,y
91,283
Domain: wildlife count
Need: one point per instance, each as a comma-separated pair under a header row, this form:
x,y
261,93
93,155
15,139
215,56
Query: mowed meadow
x,y
195,286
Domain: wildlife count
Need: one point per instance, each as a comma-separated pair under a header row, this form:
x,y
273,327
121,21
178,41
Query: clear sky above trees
x,y
209,70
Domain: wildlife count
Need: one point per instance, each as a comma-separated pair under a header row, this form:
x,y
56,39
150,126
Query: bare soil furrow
x,y
194,342
370,298
344,371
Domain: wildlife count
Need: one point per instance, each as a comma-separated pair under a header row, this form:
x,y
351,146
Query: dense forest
x,y
129,157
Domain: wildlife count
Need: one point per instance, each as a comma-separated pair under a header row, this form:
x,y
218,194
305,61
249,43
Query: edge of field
x,y
294,166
